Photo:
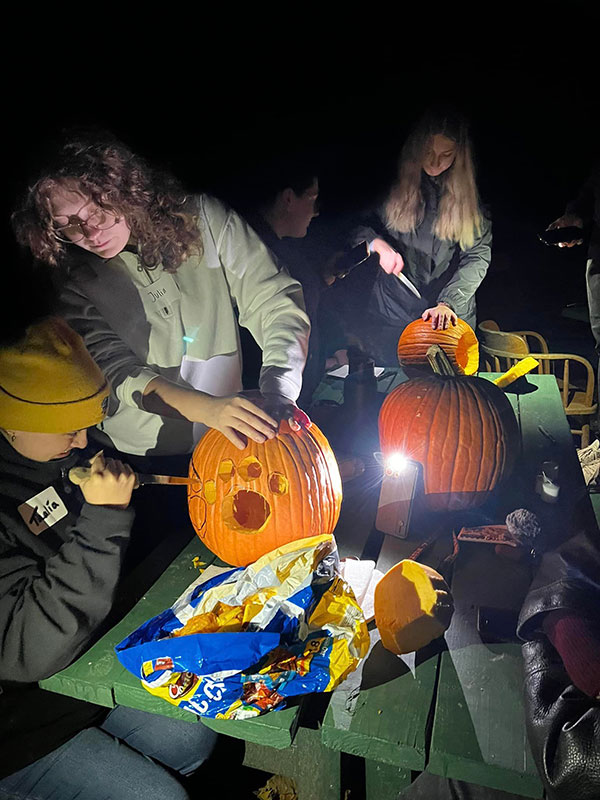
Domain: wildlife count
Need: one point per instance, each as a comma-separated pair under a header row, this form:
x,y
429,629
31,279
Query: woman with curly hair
x,y
431,228
153,279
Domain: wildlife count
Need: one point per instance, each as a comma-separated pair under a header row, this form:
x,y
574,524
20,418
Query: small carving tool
x,y
79,474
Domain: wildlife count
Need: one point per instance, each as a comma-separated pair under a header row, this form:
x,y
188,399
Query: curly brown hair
x,y
162,218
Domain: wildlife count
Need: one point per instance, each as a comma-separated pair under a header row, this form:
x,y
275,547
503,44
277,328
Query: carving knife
x,y
79,474
409,284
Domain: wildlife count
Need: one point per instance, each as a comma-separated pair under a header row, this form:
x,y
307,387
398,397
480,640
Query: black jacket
x,y
56,588
587,206
439,269
288,254
563,723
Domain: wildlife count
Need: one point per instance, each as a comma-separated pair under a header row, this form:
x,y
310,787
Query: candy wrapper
x,y
241,643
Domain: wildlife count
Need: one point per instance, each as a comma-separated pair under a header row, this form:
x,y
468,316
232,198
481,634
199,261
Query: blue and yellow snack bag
x,y
241,643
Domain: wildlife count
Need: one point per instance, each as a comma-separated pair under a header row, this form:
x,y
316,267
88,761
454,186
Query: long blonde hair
x,y
459,216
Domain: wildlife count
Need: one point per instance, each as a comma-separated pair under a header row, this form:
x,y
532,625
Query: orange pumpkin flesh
x,y
248,502
461,429
413,606
457,341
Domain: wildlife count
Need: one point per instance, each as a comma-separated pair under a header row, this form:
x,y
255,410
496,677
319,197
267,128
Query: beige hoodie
x,y
139,324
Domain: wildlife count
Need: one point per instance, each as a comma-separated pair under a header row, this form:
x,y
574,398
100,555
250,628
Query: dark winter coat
x,y
587,206
439,269
56,589
563,723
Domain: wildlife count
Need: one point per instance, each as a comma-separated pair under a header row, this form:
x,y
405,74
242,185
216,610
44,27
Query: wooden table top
x,y
470,725
454,708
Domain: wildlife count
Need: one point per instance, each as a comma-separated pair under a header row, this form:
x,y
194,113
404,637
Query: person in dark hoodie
x,y
584,212
61,554
281,208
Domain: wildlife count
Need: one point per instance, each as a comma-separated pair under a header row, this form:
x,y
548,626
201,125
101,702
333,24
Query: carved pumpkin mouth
x,y
467,353
245,511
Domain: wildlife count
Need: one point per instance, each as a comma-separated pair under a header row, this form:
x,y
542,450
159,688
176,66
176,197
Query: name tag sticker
x,y
159,297
43,510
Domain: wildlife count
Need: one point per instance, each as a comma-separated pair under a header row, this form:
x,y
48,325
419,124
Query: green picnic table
x,y
454,708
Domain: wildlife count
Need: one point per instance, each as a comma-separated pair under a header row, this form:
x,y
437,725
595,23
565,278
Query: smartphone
x,y
497,625
559,235
396,500
351,259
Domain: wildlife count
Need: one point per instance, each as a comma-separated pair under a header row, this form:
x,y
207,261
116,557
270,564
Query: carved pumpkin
x,y
413,606
457,341
248,502
461,429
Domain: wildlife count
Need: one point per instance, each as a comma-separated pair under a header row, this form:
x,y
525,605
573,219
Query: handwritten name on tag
x,y
43,510
160,296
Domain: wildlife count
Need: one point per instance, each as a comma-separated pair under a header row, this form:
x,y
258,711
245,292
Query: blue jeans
x,y
122,759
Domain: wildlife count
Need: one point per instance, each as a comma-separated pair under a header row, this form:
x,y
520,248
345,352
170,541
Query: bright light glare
x,y
396,462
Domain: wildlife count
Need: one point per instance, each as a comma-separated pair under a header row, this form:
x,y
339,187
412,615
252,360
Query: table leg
x,y
315,769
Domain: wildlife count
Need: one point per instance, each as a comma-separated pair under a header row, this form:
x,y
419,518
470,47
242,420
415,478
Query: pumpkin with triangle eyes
x,y
245,503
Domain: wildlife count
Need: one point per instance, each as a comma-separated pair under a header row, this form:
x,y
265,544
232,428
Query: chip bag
x,y
241,643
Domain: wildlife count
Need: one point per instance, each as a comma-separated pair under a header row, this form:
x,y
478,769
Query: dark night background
x,y
212,107
212,95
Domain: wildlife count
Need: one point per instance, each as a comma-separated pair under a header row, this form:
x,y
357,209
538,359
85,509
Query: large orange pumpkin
x,y
462,430
248,502
457,341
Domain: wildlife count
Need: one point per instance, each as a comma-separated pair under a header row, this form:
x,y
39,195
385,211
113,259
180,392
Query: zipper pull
x,y
66,483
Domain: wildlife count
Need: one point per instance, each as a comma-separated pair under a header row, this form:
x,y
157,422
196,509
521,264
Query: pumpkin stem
x,y
439,361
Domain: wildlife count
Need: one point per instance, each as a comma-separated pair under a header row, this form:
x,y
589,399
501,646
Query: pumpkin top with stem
x,y
459,342
439,361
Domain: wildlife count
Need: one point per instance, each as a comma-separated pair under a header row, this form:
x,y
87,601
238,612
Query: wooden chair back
x,y
574,374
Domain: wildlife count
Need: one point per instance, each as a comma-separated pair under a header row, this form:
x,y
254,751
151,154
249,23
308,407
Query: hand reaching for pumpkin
x,y
441,316
238,417
235,416
283,408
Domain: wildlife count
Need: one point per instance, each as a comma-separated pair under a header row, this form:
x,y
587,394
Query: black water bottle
x,y
360,402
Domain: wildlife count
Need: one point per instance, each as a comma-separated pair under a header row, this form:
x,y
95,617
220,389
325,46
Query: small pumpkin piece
x,y
521,368
413,606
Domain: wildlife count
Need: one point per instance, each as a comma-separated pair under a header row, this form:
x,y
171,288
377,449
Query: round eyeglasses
x,y
73,229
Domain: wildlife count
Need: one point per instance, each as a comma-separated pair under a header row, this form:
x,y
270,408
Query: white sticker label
x,y
160,296
43,510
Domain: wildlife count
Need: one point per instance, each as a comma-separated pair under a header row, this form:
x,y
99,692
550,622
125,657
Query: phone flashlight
x,y
397,495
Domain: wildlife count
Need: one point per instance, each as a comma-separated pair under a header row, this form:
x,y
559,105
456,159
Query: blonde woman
x,y
431,228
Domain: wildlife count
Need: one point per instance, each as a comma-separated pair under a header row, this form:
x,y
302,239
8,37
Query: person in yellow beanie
x,y
50,392
61,556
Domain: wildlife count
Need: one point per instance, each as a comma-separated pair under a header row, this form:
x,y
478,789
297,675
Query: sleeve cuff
x,y
283,385
131,391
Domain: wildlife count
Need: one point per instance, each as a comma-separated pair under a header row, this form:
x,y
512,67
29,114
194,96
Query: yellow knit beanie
x,y
49,383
